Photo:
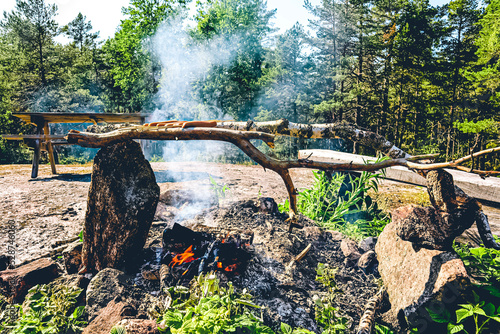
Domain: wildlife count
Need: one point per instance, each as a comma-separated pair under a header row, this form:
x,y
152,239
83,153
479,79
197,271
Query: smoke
x,y
186,62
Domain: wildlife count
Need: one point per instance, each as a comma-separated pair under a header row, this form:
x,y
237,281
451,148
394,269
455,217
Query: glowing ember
x,y
231,267
185,257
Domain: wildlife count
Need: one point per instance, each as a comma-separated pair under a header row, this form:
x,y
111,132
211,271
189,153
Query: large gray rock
x,y
418,279
122,201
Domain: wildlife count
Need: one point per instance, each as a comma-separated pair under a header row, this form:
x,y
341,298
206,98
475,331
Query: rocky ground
x,y
51,208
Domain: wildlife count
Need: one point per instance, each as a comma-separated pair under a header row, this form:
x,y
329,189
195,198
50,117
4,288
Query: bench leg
x,y
36,159
50,149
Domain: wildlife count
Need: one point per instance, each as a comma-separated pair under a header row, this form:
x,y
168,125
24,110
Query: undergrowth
x,y
207,307
47,309
327,315
479,313
344,205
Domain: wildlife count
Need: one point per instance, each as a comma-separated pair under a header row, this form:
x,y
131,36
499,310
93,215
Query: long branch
x,y
332,130
241,138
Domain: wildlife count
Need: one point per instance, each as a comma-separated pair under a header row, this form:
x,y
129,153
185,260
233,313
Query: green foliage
x,y
333,205
284,207
328,316
118,330
218,190
487,126
326,276
233,89
287,329
207,307
381,329
156,158
479,311
49,310
481,262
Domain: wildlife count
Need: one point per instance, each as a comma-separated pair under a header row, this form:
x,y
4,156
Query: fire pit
x,y
187,253
254,250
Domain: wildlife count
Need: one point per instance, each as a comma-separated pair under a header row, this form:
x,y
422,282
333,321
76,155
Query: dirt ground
x,y
51,208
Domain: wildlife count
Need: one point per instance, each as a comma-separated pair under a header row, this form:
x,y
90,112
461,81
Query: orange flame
x,y
181,258
231,267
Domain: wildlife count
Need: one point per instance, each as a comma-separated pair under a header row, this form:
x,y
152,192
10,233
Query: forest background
x,y
425,77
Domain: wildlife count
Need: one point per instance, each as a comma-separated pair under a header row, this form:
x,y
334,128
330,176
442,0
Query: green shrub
x,y
208,307
48,310
352,212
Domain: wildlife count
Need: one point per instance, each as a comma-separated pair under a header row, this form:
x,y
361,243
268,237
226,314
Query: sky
x,y
105,15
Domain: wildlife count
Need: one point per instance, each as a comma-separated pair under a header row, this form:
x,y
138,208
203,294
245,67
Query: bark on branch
x,y
333,130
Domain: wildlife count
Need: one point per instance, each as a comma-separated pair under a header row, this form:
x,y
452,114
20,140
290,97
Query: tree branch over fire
x,y
240,134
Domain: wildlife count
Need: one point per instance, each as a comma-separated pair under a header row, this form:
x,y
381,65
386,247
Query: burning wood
x,y
187,253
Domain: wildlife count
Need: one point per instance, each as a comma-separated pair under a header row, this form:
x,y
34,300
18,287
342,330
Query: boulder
x,y
416,279
267,205
121,205
350,250
16,282
429,228
368,262
436,226
72,256
112,284
108,316
139,326
367,244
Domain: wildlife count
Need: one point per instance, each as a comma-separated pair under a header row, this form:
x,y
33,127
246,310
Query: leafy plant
x,y
381,329
327,315
479,311
333,205
284,207
482,263
208,307
156,158
219,190
326,275
118,330
287,329
49,309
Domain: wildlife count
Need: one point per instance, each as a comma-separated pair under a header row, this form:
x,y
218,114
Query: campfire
x,y
186,253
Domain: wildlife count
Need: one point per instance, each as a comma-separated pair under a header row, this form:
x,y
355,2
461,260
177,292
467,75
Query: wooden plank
x,y
56,117
22,137
487,189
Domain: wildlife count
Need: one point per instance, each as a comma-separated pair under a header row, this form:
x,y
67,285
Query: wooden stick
x,y
368,319
303,253
240,136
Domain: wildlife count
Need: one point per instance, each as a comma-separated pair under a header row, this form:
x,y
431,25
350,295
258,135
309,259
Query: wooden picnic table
x,y
43,140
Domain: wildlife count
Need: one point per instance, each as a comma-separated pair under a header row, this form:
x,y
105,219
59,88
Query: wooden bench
x,y
43,140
